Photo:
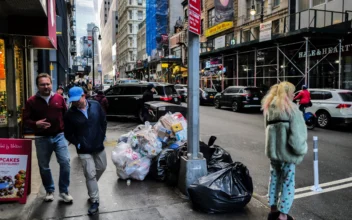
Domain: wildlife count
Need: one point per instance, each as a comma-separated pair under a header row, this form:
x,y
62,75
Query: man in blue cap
x,y
85,127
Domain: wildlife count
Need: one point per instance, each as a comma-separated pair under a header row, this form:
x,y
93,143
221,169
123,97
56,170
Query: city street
x,y
242,134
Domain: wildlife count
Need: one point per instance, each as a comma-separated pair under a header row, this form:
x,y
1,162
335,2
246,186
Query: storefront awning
x,y
179,69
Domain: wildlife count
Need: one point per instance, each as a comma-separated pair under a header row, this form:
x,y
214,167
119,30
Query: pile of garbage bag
x,y
135,150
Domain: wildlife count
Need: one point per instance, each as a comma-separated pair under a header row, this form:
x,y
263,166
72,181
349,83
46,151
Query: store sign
x,y
15,169
265,31
194,16
223,10
219,42
326,50
219,28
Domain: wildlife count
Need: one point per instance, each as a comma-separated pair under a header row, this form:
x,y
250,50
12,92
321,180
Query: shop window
x,y
19,81
276,27
211,17
3,94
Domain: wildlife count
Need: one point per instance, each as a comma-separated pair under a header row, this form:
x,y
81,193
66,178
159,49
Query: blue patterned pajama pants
x,y
282,180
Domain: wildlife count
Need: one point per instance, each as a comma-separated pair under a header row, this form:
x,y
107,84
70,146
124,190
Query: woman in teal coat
x,y
285,146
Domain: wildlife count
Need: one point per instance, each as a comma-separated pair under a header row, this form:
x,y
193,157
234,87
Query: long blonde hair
x,y
283,94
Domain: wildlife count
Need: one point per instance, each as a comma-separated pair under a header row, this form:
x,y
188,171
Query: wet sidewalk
x,y
141,200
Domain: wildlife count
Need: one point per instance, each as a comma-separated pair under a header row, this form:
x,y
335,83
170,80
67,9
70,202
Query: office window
x,y
230,39
140,2
246,36
131,41
256,32
130,27
105,2
276,3
276,27
140,15
211,17
130,55
130,2
130,14
318,2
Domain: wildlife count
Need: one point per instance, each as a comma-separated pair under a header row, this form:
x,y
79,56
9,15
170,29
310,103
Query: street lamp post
x,y
99,38
253,10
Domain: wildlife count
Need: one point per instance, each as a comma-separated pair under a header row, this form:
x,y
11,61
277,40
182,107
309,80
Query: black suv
x,y
239,97
127,99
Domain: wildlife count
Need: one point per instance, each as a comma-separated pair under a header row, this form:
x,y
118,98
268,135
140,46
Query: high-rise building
x,y
131,14
108,29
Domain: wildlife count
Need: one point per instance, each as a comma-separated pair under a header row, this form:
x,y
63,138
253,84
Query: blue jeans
x,y
45,146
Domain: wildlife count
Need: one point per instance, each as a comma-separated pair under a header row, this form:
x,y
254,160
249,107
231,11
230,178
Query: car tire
x,y
217,104
140,115
235,106
323,119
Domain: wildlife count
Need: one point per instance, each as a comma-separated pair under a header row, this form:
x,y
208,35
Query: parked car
x,y
239,98
182,90
207,95
331,106
126,99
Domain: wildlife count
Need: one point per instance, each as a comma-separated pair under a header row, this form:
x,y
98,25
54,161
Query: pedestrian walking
x,y
148,96
285,145
44,113
85,127
60,91
103,101
90,88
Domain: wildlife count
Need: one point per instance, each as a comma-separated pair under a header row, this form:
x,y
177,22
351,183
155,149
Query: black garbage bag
x,y
212,168
173,162
219,155
158,168
223,191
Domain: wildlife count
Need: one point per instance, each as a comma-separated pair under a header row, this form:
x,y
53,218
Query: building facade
x,y
131,14
301,41
109,30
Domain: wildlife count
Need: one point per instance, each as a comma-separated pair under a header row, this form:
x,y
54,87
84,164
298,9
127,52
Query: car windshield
x,y
166,90
346,96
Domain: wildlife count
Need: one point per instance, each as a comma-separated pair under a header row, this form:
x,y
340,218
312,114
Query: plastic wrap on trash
x,y
121,173
219,155
142,170
124,138
159,167
223,191
123,154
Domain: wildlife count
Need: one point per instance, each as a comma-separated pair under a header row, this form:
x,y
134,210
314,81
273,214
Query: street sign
x,y
194,16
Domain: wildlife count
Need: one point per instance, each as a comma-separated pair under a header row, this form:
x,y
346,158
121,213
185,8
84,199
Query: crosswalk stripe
x,y
329,189
324,184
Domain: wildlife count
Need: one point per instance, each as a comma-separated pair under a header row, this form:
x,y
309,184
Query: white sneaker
x,y
66,197
49,197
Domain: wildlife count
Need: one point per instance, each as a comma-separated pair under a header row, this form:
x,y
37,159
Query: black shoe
x,y
273,215
94,208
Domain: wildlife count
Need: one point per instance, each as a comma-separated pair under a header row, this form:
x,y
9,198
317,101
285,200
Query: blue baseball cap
x,y
75,94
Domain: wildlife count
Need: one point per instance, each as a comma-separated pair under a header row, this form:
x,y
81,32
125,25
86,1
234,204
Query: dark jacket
x,y
148,96
37,108
89,133
103,102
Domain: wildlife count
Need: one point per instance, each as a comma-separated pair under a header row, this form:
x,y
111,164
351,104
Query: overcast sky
x,y
84,15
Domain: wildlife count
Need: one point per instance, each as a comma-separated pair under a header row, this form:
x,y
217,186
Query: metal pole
x,y
316,186
237,69
192,166
193,94
340,63
277,63
93,59
222,74
307,67
255,66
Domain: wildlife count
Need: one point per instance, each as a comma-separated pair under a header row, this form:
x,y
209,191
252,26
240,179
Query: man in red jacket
x,y
104,103
304,98
44,113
